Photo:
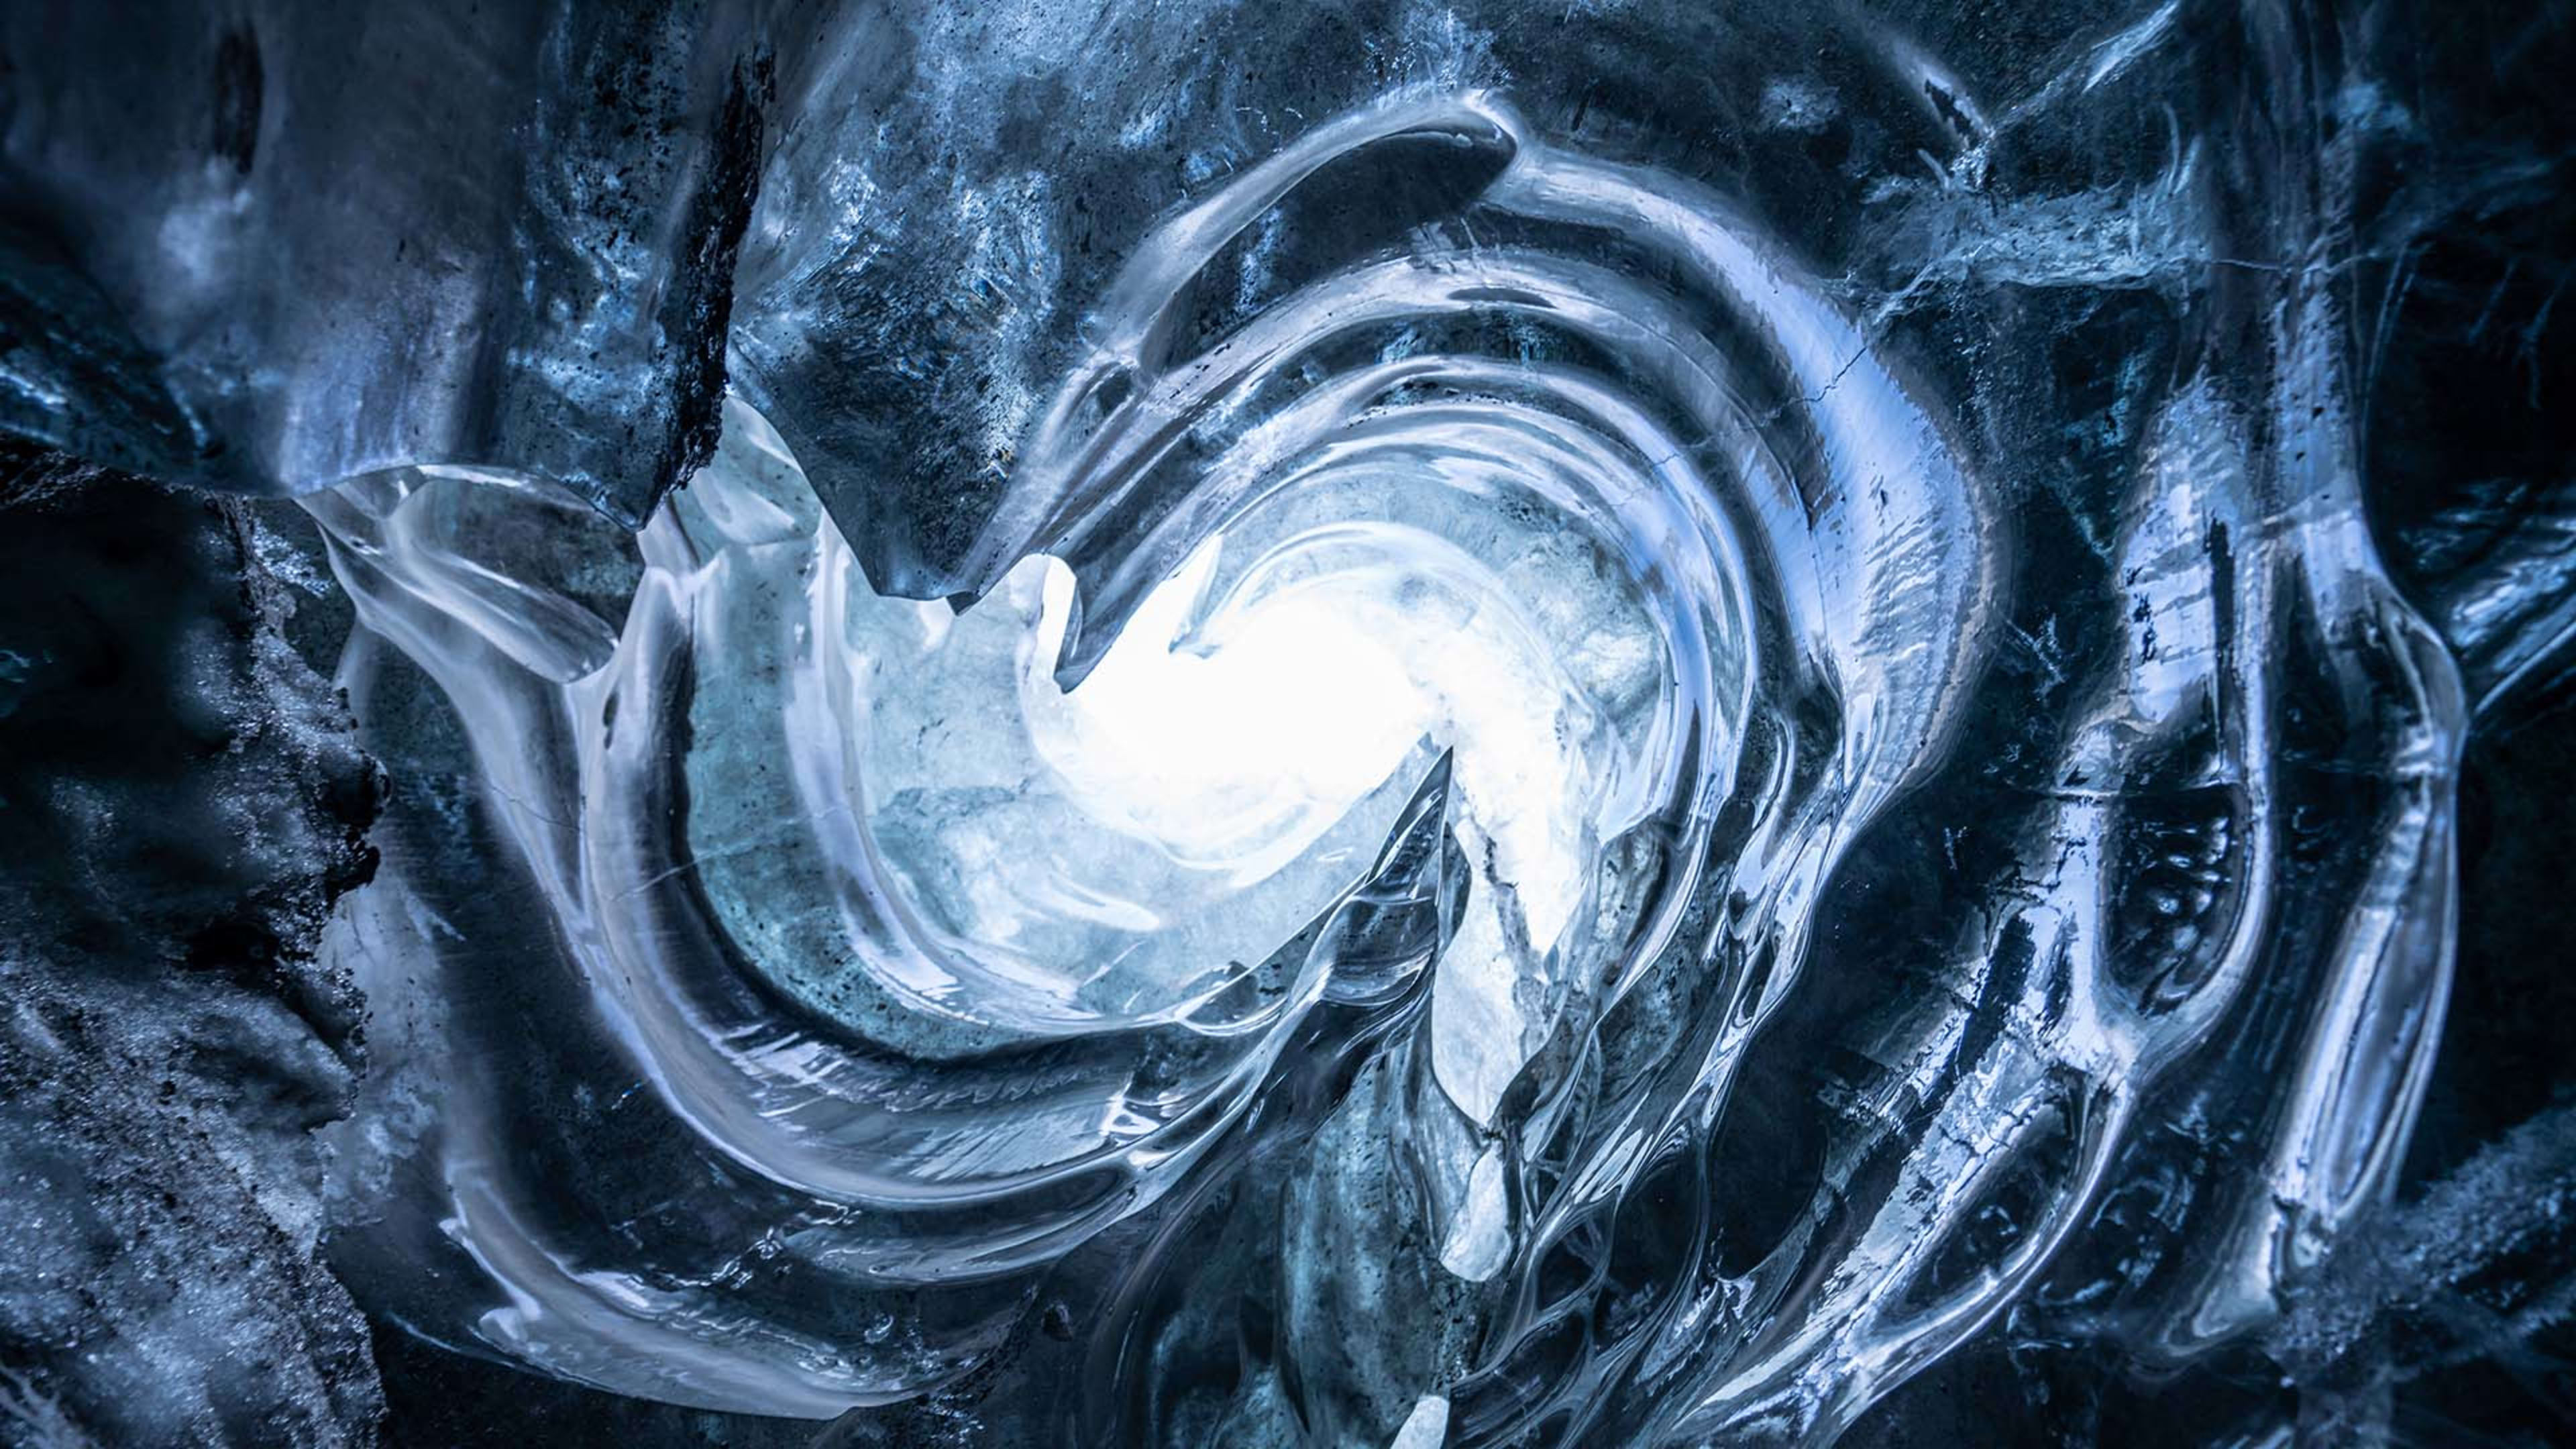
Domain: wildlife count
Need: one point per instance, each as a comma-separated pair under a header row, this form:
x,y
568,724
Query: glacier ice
x,y
1348,724
1409,762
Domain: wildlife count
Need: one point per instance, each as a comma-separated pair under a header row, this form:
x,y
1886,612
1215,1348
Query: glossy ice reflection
x,y
1530,838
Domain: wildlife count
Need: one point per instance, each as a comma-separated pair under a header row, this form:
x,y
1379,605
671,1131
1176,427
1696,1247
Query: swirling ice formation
x,y
1338,928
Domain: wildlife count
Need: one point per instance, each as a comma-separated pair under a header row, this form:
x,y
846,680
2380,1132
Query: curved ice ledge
x,y
1444,766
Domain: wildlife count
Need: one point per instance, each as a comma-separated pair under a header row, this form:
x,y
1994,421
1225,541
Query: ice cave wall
x,y
264,250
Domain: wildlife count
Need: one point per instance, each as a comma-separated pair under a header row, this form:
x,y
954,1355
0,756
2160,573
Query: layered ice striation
x,y
1507,830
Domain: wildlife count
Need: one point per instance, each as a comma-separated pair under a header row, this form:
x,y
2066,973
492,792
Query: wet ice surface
x,y
1486,726
1464,729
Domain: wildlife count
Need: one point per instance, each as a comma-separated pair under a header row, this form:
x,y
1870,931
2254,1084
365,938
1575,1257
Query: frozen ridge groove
x,y
1516,846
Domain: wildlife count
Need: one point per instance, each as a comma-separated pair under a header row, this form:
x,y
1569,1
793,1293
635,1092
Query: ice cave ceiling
x,y
1340,724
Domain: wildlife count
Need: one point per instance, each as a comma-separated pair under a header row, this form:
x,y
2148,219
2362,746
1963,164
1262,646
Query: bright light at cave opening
x,y
1236,750
1234,762
1235,732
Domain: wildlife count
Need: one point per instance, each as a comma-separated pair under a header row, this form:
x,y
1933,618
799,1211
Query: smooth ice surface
x,y
1502,747
1407,722
1585,675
